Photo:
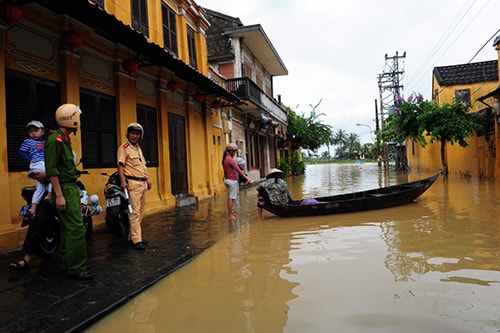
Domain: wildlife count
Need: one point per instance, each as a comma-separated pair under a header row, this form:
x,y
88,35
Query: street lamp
x,y
368,127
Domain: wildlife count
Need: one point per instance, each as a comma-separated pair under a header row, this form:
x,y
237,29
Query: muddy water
x,y
430,266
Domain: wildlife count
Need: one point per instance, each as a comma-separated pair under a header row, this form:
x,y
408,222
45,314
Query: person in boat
x,y
274,190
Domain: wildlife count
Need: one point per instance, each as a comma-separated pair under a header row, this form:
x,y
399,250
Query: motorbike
x,y
48,241
117,205
89,206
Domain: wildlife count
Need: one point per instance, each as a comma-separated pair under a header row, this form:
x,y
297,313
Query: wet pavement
x,y
43,299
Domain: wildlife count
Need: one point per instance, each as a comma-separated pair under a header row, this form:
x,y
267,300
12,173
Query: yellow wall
x,y
474,160
203,155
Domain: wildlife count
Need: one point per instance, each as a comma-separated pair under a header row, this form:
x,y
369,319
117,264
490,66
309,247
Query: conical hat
x,y
273,171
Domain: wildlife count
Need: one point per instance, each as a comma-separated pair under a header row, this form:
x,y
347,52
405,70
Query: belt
x,y
137,178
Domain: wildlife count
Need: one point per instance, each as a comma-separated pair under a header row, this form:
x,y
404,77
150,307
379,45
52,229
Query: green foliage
x,y
412,118
297,164
450,123
403,121
307,132
415,117
284,166
347,145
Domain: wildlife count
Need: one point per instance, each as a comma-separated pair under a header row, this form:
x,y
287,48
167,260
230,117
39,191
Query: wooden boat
x,y
383,197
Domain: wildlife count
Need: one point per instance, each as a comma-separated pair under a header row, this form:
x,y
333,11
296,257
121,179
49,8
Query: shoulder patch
x,y
126,144
59,138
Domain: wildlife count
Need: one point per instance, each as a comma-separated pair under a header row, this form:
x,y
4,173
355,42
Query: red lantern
x,y
130,65
215,104
199,97
71,39
173,85
10,13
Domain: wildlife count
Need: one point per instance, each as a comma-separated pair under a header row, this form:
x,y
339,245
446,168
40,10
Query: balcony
x,y
256,100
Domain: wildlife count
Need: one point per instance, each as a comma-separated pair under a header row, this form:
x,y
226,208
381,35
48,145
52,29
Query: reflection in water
x,y
430,266
234,286
143,313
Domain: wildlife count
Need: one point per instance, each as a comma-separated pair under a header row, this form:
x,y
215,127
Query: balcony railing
x,y
247,90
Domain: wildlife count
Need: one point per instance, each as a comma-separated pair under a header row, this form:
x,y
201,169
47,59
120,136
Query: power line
x,y
423,73
482,47
444,37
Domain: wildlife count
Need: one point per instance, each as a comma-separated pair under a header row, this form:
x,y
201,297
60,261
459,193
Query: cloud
x,y
334,50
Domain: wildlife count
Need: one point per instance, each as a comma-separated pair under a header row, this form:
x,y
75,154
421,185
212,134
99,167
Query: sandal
x,y
17,266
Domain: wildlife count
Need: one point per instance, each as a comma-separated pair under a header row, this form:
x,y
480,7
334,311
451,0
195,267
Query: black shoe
x,y
27,219
139,246
85,275
145,242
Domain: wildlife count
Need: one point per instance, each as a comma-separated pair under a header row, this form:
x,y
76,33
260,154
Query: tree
x,y
446,123
307,132
339,139
353,146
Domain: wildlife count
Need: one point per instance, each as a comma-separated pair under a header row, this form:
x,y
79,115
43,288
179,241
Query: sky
x,y
334,50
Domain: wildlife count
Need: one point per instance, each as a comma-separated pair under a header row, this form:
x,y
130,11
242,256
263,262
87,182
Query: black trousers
x,y
44,212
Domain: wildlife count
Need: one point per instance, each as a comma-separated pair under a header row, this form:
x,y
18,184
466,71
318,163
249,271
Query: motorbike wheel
x,y
112,215
87,222
49,240
123,224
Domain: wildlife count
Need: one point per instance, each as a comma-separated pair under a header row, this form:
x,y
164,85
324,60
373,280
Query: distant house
x,y
473,83
246,59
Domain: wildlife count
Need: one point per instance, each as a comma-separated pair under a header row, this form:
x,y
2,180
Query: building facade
x,y
122,61
477,84
246,59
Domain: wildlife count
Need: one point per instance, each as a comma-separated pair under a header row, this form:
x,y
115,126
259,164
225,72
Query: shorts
x,y
233,188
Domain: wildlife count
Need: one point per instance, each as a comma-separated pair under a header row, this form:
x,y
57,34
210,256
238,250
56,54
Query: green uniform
x,y
59,161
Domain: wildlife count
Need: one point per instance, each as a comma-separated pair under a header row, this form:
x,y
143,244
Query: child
x,y
32,150
241,163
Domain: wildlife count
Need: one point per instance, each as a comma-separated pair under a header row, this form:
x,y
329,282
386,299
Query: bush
x,y
284,166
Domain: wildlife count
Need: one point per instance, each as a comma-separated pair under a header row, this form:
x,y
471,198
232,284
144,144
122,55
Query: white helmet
x,y
68,115
135,127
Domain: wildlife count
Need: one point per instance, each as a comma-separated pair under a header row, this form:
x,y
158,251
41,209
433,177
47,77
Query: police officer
x,y
134,177
61,171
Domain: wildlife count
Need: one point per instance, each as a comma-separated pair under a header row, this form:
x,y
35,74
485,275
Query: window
x,y
169,28
191,47
99,144
140,16
27,98
463,95
146,116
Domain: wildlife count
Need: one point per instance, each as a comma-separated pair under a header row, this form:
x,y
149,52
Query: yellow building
x,y
469,82
121,64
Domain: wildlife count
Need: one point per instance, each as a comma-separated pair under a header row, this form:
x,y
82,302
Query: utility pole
x,y
389,84
377,142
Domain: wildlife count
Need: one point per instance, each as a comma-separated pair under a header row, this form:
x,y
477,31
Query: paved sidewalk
x,y
43,299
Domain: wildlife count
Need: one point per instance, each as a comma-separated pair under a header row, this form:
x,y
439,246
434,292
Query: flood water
x,y
430,266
